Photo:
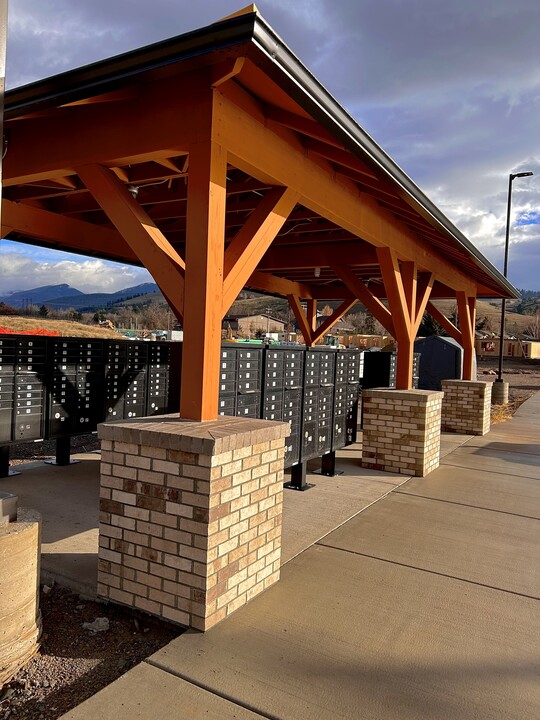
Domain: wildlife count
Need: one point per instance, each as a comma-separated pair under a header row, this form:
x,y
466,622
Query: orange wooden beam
x,y
205,241
332,319
311,314
280,286
466,314
423,293
226,70
145,239
352,253
444,322
305,126
281,160
253,240
379,311
301,319
85,237
155,124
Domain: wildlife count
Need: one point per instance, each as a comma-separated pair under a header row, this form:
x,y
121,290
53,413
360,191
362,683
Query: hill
x,y
490,315
40,295
97,301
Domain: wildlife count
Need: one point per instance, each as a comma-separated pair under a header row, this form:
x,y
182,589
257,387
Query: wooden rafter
x,y
258,151
302,125
353,253
57,229
266,282
101,133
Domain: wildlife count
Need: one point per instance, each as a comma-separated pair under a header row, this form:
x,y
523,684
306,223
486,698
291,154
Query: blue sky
x,y
450,90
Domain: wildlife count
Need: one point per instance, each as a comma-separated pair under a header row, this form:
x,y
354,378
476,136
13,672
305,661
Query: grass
x,y
502,413
64,328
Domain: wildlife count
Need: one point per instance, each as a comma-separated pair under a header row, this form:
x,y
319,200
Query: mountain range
x,y
63,297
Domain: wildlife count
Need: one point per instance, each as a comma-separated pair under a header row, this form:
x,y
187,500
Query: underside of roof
x,y
100,106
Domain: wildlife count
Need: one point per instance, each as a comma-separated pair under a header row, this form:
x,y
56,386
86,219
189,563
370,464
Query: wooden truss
x,y
213,190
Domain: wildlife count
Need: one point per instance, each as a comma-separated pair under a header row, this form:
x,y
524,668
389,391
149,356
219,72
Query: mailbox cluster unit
x,y
55,388
380,370
314,390
60,387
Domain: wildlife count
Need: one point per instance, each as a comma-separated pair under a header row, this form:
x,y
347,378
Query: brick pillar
x,y
401,430
190,522
466,406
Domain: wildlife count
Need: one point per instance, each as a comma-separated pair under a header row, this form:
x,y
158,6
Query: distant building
x,y
252,324
489,347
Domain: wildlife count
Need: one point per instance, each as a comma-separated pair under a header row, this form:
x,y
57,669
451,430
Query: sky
x,y
450,90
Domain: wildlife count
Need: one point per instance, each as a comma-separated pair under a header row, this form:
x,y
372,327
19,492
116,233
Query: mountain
x,y
99,301
40,295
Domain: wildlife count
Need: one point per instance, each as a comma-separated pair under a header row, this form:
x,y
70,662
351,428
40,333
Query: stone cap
x,y
212,437
468,383
420,396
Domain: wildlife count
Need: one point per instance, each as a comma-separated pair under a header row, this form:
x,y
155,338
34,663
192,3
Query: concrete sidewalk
x,y
425,606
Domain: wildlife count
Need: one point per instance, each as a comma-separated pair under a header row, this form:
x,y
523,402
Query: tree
x,y
7,309
43,311
429,326
533,330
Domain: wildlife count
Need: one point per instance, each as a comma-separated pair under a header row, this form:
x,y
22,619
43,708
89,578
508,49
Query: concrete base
x,y
499,392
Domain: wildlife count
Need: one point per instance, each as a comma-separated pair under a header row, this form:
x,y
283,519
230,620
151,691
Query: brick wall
x,y
466,406
191,513
401,430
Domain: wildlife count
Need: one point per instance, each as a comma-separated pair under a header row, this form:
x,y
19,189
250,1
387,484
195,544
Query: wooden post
x,y
203,299
408,296
467,315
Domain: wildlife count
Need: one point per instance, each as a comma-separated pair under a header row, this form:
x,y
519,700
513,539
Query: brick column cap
x,y
468,383
420,396
212,437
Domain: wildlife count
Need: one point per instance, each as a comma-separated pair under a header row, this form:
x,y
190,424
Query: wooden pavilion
x,y
217,160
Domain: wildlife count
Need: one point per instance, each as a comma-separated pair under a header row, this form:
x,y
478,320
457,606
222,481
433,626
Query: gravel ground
x,y
46,450
522,376
73,662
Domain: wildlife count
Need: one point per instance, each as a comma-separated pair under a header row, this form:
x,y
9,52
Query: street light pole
x,y
511,179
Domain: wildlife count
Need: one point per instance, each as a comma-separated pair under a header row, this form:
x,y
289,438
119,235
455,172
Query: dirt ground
x,y
73,662
523,376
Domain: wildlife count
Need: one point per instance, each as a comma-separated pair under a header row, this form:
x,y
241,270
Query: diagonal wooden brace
x,y
253,240
301,319
379,311
145,239
332,319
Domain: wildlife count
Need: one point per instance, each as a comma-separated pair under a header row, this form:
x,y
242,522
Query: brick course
x,y
190,515
466,406
401,430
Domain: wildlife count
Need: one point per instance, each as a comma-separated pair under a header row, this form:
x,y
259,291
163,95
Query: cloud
x,y
451,90
22,272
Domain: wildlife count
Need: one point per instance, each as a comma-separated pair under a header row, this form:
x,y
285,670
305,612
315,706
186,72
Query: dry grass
x,y
65,328
502,413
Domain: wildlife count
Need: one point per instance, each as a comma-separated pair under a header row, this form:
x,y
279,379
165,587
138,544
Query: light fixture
x,y
134,190
317,272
